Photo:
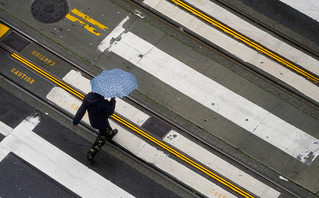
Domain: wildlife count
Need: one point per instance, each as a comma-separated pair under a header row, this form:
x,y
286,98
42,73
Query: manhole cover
x,y
49,11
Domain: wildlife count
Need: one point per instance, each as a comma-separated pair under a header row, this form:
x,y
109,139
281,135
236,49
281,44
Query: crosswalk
x,y
53,162
183,78
219,165
157,157
244,52
205,91
214,96
141,148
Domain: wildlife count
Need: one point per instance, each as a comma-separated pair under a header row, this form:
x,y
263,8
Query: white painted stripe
x,y
307,7
147,152
76,79
3,152
30,122
57,164
62,98
125,109
5,129
161,160
227,103
283,178
242,51
219,165
258,35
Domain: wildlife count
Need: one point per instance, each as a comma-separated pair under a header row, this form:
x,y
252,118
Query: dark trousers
x,y
103,136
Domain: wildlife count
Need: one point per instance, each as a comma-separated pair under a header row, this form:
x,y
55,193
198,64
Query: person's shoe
x,y
110,137
90,159
113,133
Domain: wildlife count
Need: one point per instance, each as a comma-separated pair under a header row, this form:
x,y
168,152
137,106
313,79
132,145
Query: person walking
x,y
99,110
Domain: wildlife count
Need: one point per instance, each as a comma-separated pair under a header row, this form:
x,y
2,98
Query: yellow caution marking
x,y
3,29
248,42
88,19
22,76
43,58
47,75
137,130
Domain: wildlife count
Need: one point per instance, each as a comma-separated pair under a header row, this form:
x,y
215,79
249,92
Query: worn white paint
x,y
53,162
116,32
283,178
139,14
204,90
240,50
217,164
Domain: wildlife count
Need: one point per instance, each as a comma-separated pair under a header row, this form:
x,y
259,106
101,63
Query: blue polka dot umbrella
x,y
114,83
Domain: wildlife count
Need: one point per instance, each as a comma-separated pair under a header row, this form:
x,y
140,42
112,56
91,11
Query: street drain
x,y
49,11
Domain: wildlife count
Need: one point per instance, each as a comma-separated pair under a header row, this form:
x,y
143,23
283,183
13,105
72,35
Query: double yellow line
x,y
48,76
247,41
182,157
136,129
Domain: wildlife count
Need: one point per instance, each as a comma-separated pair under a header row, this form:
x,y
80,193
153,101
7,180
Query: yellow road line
x,y
247,41
47,75
89,19
183,157
86,26
137,130
3,29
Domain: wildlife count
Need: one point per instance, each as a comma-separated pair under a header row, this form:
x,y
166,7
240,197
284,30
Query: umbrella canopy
x,y
114,83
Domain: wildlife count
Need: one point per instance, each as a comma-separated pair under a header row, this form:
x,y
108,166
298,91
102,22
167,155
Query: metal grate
x,y
157,127
15,42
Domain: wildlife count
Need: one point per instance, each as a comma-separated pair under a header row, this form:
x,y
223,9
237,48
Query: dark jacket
x,y
99,110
